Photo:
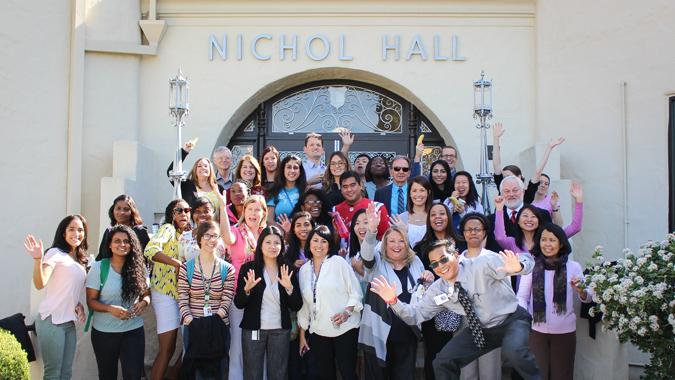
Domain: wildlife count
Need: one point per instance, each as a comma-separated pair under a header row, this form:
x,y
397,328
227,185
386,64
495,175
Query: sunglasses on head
x,y
442,260
180,210
399,169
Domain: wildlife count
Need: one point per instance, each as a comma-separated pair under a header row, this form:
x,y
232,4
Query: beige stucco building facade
x,y
85,96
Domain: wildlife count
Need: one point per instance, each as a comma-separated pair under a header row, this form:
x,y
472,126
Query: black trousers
x,y
511,335
127,347
325,351
400,362
434,341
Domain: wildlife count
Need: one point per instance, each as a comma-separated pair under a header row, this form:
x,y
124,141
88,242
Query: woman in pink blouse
x,y
242,240
529,221
547,293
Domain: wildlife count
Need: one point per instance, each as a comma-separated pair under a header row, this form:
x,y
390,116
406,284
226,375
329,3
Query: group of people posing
x,y
284,268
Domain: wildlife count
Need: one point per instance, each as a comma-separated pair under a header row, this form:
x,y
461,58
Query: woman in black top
x,y
124,211
267,289
338,163
441,180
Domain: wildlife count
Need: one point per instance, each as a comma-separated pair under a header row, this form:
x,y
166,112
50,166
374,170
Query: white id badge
x,y
441,299
255,335
207,311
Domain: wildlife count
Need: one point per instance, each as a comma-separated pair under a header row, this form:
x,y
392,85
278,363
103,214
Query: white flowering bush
x,y
636,297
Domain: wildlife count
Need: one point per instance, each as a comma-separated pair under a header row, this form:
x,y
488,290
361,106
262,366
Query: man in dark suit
x,y
395,195
513,190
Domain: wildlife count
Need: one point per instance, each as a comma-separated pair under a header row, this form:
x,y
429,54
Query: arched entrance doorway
x,y
383,122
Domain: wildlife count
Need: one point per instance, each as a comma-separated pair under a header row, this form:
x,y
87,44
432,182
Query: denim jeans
x,y
57,346
274,343
511,335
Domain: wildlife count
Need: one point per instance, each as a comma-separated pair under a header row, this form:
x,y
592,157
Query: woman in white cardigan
x,y
390,345
330,314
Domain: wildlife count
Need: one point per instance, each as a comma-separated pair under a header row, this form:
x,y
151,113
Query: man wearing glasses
x,y
448,154
395,195
480,291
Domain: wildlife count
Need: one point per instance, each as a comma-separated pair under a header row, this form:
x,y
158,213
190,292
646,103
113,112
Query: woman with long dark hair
x,y
413,220
330,314
164,250
117,294
267,291
270,163
302,224
441,180
289,184
338,163
548,293
464,197
438,331
124,211
61,270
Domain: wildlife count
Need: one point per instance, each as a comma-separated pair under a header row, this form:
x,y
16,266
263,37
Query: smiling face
x,y
270,161
352,191
474,233
360,165
438,216
74,234
312,204
313,148
122,212
528,221
238,193
397,249
292,171
120,244
449,155
203,213
223,161
542,189
513,193
400,171
318,246
418,194
209,240
462,185
247,172
302,228
271,246
439,174
181,215
361,226
203,169
549,243
446,270
337,166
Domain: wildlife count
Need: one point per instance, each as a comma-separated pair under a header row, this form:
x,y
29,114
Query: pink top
x,y
237,253
555,323
544,204
509,242
64,288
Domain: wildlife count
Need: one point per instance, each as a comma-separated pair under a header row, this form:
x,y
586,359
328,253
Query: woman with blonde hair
x,y
201,180
390,345
241,240
248,169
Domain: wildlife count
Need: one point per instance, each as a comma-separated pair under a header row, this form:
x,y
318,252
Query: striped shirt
x,y
191,296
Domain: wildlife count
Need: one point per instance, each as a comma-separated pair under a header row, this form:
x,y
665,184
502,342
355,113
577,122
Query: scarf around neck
x,y
541,265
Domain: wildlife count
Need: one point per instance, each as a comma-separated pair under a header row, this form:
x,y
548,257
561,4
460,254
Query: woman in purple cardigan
x,y
547,293
529,223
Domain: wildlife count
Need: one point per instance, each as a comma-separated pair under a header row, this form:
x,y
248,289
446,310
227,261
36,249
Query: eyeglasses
x,y
180,210
474,230
337,164
449,156
210,236
400,169
312,203
442,260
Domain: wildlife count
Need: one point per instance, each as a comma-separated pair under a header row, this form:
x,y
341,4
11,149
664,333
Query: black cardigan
x,y
252,304
188,189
